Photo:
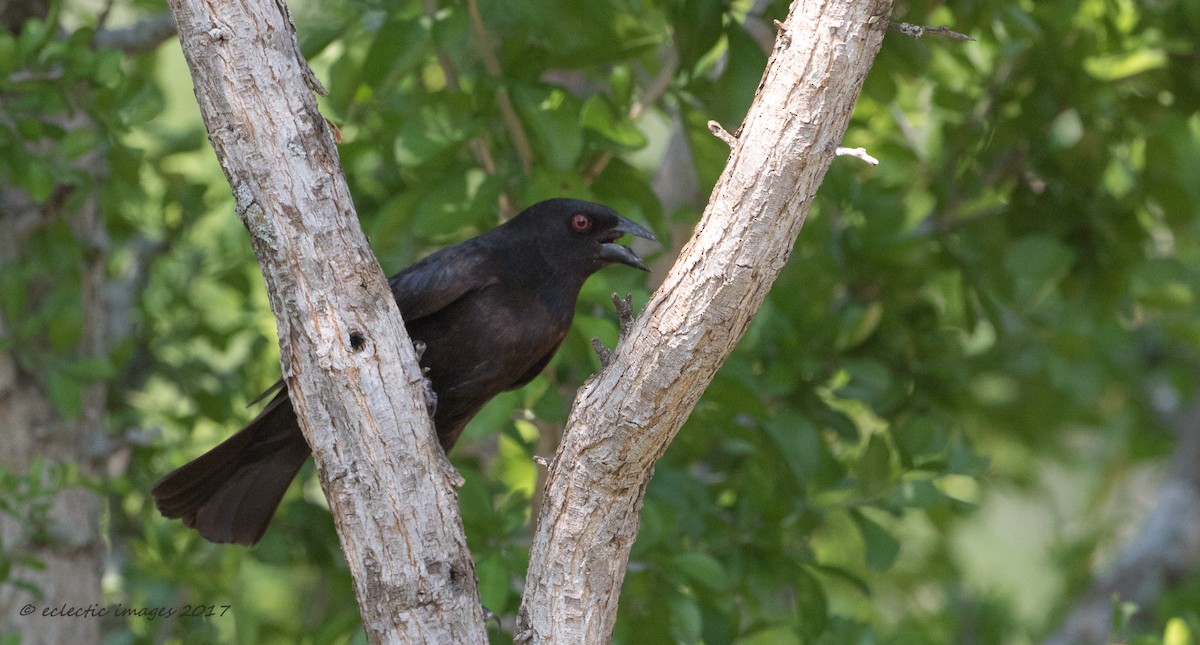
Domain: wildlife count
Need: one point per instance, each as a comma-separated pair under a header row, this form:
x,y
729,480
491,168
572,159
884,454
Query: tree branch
x,y
143,35
625,416
1165,550
916,31
351,371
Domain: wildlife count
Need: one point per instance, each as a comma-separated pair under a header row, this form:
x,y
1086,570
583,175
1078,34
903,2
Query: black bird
x,y
491,312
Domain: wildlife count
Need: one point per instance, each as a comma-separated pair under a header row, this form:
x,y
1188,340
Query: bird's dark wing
x,y
435,282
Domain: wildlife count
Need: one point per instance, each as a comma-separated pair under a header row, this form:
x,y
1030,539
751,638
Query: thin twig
x,y
55,73
102,20
916,31
503,101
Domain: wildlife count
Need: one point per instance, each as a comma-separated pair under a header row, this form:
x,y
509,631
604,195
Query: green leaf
x,y
65,394
493,575
701,568
64,328
30,129
551,116
1163,283
965,461
687,623
870,382
798,443
856,324
399,45
38,180
432,127
921,438
107,72
1036,265
8,53
461,202
1176,632
620,79
546,183
813,603
601,117
771,636
874,467
13,290
33,36
917,493
1114,67
881,547
77,142
698,25
90,369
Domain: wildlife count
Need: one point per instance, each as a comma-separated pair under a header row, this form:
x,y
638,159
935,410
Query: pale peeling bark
x,y
345,353
625,416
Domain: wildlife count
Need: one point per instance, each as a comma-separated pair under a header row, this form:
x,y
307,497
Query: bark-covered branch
x,y
143,35
344,350
625,416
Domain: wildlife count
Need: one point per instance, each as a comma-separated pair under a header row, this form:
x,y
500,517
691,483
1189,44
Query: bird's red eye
x,y
581,222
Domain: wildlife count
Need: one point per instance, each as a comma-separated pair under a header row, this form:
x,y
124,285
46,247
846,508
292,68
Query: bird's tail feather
x,y
230,493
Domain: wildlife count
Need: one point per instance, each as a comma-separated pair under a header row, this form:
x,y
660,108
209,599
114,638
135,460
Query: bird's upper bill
x,y
613,252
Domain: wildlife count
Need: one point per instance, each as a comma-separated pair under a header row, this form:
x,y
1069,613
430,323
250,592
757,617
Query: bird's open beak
x,y
613,252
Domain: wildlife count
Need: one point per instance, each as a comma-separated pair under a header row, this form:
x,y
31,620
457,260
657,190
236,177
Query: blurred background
x,y
967,413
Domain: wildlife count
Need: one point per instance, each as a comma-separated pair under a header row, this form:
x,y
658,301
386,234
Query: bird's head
x,y
584,231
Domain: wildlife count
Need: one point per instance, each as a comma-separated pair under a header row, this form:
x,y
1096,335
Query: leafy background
x,y
956,404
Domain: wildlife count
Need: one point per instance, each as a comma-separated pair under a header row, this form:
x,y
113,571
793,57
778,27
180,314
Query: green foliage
x,y
970,353
60,100
25,502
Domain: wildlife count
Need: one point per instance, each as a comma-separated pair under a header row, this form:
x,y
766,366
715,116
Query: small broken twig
x,y
916,31
603,352
720,133
857,153
624,307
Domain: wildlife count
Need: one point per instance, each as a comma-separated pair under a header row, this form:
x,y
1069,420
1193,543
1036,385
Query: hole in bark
x,y
357,341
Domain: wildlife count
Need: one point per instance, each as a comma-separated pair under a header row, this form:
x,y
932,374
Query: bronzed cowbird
x,y
490,311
